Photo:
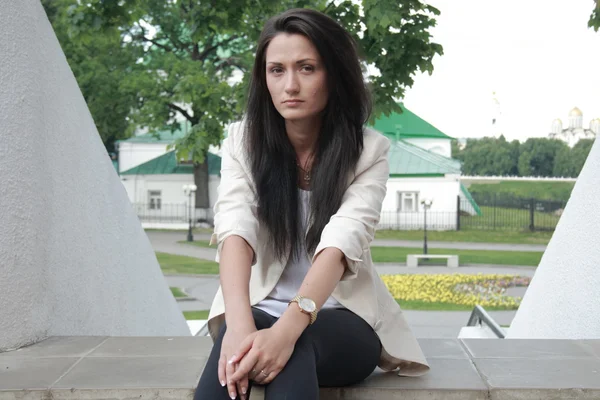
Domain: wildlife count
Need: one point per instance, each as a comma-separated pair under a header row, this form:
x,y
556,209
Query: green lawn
x,y
177,292
553,191
505,219
198,243
175,264
398,255
203,314
425,306
478,236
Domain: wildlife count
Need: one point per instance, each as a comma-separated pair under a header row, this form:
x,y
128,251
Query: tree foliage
x,y
536,157
594,21
100,64
193,57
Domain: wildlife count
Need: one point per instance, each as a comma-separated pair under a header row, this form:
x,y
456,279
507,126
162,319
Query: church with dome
x,y
575,131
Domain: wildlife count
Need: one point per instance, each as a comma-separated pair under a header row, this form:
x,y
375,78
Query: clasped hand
x,y
262,356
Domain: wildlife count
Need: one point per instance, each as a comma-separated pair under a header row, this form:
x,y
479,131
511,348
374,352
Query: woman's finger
x,y
244,348
244,366
221,369
231,385
242,387
262,376
272,375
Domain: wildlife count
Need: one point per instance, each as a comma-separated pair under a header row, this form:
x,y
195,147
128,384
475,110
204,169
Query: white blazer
x,y
351,230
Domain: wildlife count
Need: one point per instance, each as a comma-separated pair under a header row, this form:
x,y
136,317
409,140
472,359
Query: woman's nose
x,y
291,84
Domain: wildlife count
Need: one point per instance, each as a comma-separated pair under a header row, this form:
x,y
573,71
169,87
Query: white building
x,y
575,131
420,168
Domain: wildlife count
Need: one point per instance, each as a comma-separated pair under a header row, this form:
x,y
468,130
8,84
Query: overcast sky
x,y
538,55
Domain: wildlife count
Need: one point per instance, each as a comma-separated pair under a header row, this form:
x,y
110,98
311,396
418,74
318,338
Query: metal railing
x,y
479,316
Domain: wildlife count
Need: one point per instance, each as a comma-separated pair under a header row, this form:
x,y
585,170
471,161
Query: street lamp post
x,y
426,205
189,190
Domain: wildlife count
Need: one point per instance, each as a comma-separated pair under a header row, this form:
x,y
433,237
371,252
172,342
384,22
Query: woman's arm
x,y
319,282
234,273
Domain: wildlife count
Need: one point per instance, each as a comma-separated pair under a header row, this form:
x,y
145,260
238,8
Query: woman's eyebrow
x,y
297,62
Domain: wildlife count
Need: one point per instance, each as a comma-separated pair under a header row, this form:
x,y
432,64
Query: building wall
x,y
563,300
133,154
174,210
442,214
438,146
75,260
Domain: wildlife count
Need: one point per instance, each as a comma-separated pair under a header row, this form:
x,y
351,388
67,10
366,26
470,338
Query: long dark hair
x,y
339,145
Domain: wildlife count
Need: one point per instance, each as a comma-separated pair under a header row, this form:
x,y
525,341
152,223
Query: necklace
x,y
306,172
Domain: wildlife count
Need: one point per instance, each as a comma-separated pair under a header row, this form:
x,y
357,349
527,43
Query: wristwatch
x,y
307,306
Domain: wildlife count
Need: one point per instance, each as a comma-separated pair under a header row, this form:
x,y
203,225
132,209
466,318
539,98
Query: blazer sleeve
x,y
235,212
352,228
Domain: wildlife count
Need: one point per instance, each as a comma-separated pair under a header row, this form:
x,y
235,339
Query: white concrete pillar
x,y
74,259
563,301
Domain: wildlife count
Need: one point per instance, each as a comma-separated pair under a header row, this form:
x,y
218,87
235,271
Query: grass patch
x,y
203,314
509,218
398,255
476,236
553,191
418,305
176,264
177,292
198,243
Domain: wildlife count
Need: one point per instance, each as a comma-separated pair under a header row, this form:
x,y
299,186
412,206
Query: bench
x,y
412,260
168,368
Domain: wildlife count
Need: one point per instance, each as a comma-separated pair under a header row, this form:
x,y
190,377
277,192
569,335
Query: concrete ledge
x,y
123,368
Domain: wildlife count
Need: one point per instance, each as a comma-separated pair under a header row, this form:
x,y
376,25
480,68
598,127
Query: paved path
x,y
163,239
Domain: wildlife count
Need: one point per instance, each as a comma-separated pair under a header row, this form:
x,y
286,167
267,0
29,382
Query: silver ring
x,y
264,373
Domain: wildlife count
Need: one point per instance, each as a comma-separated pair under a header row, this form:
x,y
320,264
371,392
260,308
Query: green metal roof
x,y
407,125
468,196
407,160
167,164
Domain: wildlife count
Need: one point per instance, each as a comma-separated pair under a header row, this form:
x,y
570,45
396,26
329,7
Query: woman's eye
x,y
307,68
276,70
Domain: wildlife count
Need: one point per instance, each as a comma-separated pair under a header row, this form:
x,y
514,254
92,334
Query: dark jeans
x,y
339,349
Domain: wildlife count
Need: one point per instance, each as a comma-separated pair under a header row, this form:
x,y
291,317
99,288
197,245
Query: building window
x,y
154,199
407,201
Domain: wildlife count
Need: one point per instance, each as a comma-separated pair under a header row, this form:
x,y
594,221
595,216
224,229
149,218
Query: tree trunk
x,y
203,211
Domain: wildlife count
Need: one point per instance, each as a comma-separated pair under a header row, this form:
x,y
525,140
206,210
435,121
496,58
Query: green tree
x,y
192,50
100,64
594,21
489,156
455,151
538,156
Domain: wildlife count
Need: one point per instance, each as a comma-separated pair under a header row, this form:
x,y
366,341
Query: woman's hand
x,y
232,340
263,354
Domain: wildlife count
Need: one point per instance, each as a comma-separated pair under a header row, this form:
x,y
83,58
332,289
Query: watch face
x,y
307,304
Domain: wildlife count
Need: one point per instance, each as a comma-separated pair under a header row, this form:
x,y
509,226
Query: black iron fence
x,y
483,212
506,212
171,213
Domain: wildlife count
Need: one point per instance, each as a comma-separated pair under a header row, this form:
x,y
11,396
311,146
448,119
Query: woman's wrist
x,y
293,322
239,316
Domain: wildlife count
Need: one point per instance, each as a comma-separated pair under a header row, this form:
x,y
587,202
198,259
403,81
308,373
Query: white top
x,y
293,275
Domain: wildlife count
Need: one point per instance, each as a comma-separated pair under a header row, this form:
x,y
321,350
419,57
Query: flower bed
x,y
462,289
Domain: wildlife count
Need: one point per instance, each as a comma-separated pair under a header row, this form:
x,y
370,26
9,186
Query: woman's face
x,y
296,77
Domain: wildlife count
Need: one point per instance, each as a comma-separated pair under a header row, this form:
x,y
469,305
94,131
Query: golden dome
x,y
557,121
576,112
